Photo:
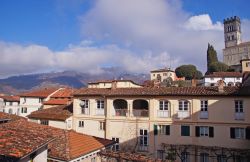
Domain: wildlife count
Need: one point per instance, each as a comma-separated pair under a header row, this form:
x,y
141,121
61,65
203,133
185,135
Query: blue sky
x,y
86,35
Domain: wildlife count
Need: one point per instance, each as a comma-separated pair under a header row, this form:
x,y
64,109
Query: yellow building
x,y
189,123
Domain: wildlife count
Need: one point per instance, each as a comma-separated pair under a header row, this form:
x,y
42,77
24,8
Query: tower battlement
x,y
231,19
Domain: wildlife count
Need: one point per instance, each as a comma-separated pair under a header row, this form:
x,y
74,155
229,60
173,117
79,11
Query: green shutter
x,y
155,130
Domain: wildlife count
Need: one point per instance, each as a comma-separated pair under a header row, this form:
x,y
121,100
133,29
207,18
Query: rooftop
x,y
60,113
162,70
111,81
57,102
224,74
164,91
63,93
11,98
20,137
11,117
43,93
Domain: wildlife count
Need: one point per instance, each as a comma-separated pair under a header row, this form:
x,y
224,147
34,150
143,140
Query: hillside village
x,y
120,120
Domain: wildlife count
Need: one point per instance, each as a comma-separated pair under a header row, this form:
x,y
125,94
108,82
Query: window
x,y
100,104
24,100
10,103
116,146
84,104
163,105
81,123
185,157
204,157
221,158
162,129
40,100
204,104
183,105
44,122
102,126
143,138
238,106
24,110
237,133
204,131
185,130
10,111
204,109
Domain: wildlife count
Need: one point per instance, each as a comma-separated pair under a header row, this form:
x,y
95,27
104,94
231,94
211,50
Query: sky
x,y
87,35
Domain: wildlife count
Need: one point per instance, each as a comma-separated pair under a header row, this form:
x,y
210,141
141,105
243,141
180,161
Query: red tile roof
x,y
161,70
20,137
11,117
11,98
224,74
43,93
168,91
57,102
60,113
64,93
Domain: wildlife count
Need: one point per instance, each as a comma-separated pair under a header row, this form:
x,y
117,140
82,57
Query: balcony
x,y
140,113
183,114
121,112
85,111
143,148
239,116
203,115
163,114
99,111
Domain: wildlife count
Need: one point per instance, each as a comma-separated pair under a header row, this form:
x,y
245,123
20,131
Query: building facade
x,y
160,122
11,104
163,74
235,50
229,78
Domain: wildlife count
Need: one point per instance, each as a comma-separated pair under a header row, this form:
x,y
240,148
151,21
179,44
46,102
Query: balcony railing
x,y
203,115
183,114
85,111
163,114
121,112
99,111
140,113
239,116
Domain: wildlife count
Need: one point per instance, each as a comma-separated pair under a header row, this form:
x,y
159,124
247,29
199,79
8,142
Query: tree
x,y
218,67
188,71
211,55
167,82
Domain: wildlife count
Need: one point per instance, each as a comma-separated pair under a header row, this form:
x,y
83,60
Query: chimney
x,y
194,82
220,86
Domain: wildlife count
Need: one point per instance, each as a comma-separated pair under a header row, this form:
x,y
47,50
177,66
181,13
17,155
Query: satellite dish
x,y
82,103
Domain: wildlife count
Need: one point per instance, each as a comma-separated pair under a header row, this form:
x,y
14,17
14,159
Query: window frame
x,y
164,105
185,128
100,104
183,105
143,137
238,106
204,105
81,123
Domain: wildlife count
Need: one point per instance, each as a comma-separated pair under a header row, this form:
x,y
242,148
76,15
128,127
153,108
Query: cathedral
x,y
235,50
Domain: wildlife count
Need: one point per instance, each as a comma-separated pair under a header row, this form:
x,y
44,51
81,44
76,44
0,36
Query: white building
x,y
162,74
33,101
1,105
10,104
57,116
113,84
229,78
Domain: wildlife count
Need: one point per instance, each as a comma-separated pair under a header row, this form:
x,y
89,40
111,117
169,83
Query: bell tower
x,y
232,31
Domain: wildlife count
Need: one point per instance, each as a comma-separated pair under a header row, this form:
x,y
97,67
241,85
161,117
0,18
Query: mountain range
x,y
21,83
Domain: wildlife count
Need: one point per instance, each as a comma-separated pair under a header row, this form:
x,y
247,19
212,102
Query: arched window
x,y
121,107
140,108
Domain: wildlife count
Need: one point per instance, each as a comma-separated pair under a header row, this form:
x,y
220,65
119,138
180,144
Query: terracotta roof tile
x,y
20,137
57,102
168,91
40,93
11,117
11,98
63,93
224,74
60,113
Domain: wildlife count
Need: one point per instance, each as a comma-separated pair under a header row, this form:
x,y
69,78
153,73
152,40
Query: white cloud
x,y
203,22
136,35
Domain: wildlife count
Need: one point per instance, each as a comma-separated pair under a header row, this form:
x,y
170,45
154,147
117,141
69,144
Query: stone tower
x,y
232,31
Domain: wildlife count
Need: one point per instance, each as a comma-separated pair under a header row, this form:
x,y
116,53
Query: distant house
x,y
10,104
229,78
58,116
1,105
162,74
32,101
113,84
62,97
27,141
